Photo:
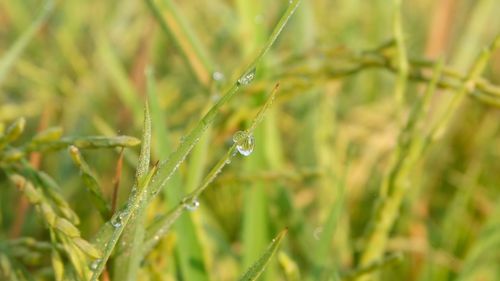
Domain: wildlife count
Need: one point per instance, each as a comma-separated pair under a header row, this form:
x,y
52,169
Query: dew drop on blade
x,y
245,142
193,205
116,220
247,78
93,265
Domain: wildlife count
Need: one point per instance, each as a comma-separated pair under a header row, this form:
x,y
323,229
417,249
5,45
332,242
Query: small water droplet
x,y
245,142
247,78
116,220
218,76
228,161
95,264
192,205
317,232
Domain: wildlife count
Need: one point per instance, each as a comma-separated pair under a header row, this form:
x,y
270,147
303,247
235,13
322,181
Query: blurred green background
x,y
322,151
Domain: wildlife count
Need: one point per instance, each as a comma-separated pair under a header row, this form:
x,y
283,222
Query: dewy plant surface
x,y
249,140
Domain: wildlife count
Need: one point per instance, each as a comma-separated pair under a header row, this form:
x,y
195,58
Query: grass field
x,y
250,140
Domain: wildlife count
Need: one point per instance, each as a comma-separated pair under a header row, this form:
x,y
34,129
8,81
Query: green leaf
x,y
130,253
167,167
260,265
15,51
91,183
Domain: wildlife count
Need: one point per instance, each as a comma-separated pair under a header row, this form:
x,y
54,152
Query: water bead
x,y
245,142
193,205
247,78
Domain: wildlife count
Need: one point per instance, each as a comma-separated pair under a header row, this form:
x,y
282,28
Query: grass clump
x,y
377,158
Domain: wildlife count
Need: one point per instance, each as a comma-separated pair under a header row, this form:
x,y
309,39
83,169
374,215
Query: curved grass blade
x,y
128,262
167,168
96,196
260,265
15,51
162,224
375,266
85,143
172,23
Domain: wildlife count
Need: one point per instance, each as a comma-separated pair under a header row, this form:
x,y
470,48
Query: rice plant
x,y
249,140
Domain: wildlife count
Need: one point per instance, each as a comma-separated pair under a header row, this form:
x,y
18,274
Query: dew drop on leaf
x,y
247,78
245,142
192,205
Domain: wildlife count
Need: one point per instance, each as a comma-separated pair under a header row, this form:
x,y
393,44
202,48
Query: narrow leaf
x,y
15,51
167,168
91,183
128,261
260,265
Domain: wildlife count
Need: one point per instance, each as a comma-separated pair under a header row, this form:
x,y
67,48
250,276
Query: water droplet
x,y
116,220
317,232
218,76
245,142
95,264
192,205
228,161
247,78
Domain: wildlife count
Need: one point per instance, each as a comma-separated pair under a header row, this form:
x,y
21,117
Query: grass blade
x,y
260,265
173,24
91,183
169,166
15,51
162,225
128,261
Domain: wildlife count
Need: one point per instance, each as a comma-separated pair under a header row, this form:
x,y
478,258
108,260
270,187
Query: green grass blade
x,y
91,183
119,78
12,133
169,166
162,225
90,142
15,51
128,261
403,68
172,23
384,262
260,265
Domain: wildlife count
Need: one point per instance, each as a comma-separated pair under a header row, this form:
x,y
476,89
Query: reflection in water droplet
x,y
193,205
247,78
245,142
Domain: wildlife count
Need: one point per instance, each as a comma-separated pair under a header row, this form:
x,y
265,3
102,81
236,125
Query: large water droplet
x,y
95,264
247,78
192,205
245,142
